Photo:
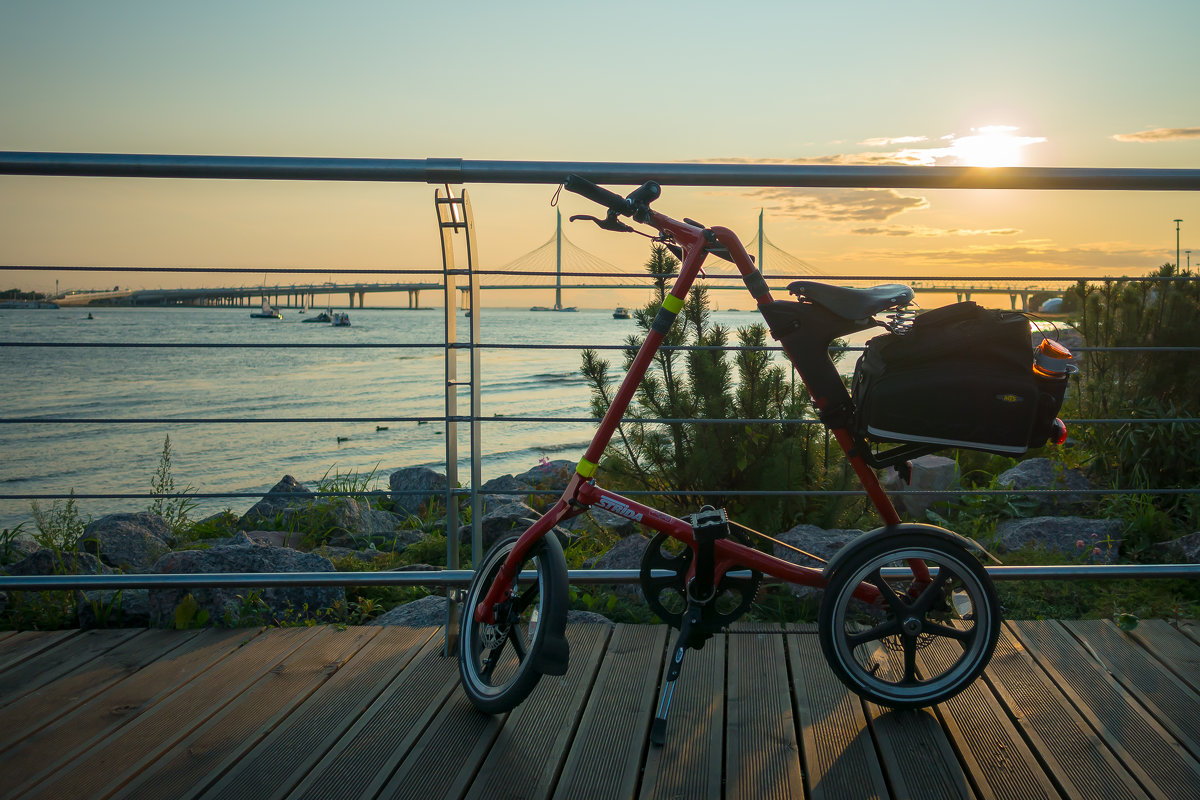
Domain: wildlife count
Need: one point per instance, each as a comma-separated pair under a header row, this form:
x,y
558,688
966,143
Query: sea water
x,y
372,377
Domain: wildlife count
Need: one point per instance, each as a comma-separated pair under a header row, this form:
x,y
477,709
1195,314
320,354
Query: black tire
x,y
499,664
873,649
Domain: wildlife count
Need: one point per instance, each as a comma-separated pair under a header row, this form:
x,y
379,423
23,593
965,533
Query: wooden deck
x,y
1074,709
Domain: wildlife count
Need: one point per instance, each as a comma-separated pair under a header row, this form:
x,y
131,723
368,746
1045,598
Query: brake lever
x,y
611,223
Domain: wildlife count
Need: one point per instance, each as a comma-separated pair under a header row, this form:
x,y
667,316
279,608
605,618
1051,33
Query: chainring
x,y
667,594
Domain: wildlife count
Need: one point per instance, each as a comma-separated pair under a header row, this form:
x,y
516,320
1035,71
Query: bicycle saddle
x,y
853,304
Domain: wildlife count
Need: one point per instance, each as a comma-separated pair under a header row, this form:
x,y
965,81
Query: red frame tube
x,y
582,492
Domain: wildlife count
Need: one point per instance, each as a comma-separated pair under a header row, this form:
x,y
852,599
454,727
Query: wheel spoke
x,y
893,600
910,659
518,642
522,602
489,664
933,591
881,630
948,631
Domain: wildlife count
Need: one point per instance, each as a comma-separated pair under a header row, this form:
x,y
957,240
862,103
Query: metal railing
x,y
458,171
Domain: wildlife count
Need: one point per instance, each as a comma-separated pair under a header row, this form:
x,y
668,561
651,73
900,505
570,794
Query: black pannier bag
x,y
962,376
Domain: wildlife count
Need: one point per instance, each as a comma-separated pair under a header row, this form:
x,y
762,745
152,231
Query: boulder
x,y
625,554
429,611
549,475
281,603
130,542
601,519
1096,541
48,562
1185,549
356,523
576,617
818,541
414,487
1042,473
513,517
17,548
929,473
108,608
287,494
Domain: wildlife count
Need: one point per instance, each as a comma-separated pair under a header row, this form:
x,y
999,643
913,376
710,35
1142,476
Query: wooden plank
x,y
38,670
1172,702
1075,757
26,644
53,746
526,757
160,726
1191,629
289,752
451,749
762,755
605,760
916,756
689,764
37,710
1121,722
363,759
1172,648
194,761
993,752
840,762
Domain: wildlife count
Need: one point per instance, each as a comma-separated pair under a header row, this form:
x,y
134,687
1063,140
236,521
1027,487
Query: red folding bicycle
x,y
887,595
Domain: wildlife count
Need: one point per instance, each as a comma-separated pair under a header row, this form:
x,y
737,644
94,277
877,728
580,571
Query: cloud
x,y
1041,253
928,232
1159,135
885,142
838,205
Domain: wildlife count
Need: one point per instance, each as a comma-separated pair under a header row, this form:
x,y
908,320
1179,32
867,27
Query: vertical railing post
x,y
454,215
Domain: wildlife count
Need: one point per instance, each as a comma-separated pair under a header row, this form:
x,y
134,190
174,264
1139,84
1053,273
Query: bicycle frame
x,y
582,491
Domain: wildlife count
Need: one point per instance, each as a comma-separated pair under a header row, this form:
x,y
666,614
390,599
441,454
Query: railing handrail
x,y
459,171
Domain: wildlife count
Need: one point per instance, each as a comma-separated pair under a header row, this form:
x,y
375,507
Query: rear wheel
x,y
501,662
874,649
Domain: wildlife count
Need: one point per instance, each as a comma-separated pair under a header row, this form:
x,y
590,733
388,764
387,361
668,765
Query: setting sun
x,y
990,146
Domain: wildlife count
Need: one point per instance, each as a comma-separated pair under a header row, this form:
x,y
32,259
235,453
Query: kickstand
x,y
658,732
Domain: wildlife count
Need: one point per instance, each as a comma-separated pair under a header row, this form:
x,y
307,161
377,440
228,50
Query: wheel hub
x,y
911,626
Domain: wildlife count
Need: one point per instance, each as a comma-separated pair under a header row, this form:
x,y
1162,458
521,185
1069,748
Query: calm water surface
x,y
227,383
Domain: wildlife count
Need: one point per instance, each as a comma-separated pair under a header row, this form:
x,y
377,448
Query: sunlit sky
x,y
1070,84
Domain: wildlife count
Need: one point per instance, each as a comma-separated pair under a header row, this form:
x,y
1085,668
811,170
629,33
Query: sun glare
x,y
990,146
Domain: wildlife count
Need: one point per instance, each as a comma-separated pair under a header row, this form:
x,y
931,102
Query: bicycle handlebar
x,y
635,205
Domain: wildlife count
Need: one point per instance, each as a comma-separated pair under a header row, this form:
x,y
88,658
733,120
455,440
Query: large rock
x,y
282,604
20,546
355,523
1093,540
109,608
288,494
48,562
1185,549
929,473
512,517
625,554
1042,473
822,543
413,488
429,611
130,542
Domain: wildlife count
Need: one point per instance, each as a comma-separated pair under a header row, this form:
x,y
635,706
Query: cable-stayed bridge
x,y
558,264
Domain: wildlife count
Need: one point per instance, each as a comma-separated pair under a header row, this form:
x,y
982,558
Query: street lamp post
x,y
1177,243
1188,253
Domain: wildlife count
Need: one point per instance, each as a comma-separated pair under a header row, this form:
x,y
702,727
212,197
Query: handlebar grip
x,y
598,194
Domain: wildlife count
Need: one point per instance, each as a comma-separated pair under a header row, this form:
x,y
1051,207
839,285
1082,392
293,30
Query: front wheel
x,y
500,663
875,649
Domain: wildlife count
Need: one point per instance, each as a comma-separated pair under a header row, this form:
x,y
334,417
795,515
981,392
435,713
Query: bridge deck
x,y
1074,709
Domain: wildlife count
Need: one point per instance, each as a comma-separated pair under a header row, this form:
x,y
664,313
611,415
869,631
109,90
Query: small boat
x,y
268,312
621,312
341,320
548,308
324,316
